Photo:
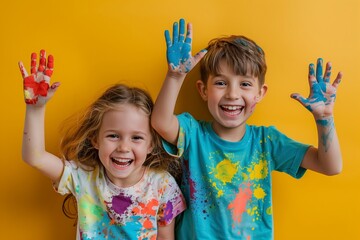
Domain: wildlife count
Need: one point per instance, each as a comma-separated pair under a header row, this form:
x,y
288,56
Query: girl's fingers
x,y
23,71
42,62
33,63
50,66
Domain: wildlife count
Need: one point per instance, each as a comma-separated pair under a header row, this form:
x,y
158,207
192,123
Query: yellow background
x,y
97,43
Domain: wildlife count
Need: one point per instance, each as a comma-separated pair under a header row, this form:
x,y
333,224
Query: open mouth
x,y
232,109
122,162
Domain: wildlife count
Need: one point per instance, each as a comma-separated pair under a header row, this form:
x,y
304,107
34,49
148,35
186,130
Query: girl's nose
x,y
123,146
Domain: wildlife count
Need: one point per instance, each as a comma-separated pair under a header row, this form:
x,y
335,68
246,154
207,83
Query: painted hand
x,y
322,93
36,86
178,51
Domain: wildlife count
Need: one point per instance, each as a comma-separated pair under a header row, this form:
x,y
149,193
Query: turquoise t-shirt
x,y
227,185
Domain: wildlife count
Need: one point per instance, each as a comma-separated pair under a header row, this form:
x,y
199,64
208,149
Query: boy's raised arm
x,y
180,62
326,159
37,93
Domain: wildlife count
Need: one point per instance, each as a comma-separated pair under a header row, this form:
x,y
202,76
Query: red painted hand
x,y
36,85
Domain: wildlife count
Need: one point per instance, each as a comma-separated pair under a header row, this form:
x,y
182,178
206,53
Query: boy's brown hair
x,y
241,54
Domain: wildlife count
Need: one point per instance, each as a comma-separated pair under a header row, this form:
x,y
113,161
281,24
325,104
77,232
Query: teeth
x,y
122,161
232,108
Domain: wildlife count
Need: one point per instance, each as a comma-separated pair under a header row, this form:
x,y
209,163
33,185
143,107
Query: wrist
x,y
175,76
325,121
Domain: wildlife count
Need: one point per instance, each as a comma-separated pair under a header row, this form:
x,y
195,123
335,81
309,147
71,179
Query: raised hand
x,y
179,57
322,93
37,90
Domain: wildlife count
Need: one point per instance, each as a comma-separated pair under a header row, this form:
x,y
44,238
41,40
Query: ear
x,y
150,149
201,87
262,93
94,143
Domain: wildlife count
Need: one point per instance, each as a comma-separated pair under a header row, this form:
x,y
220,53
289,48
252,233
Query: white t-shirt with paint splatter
x,y
106,211
227,185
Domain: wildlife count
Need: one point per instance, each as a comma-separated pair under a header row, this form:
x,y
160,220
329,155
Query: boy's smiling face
x,y
231,100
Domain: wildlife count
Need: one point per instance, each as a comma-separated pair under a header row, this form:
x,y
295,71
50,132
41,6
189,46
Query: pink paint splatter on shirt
x,y
238,206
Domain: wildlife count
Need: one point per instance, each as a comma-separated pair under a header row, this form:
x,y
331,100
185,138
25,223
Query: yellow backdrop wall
x,y
98,43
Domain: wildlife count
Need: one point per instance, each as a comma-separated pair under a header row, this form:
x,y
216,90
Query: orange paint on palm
x,y
238,206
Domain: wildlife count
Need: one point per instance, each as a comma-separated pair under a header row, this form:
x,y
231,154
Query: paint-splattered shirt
x,y
227,185
106,211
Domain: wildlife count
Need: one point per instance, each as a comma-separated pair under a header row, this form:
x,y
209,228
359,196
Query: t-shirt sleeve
x,y
288,153
172,201
187,123
67,182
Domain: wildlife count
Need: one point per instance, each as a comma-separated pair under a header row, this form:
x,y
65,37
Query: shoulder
x,y
263,130
160,178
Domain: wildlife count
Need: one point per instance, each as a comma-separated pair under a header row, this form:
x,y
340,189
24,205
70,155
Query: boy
x,y
227,164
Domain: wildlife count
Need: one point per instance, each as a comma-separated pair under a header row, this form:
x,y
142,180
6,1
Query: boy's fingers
x,y
189,33
182,30
319,70
327,72
167,38
298,98
175,32
199,56
311,76
337,80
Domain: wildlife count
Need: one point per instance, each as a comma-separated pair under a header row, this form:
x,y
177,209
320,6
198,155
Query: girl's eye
x,y
112,136
137,138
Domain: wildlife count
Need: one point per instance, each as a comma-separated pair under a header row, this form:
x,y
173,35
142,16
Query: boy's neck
x,y
229,134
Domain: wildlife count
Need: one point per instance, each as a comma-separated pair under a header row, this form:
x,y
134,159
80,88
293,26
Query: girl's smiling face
x,y
124,141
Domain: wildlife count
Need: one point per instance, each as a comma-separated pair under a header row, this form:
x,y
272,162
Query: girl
x,y
112,161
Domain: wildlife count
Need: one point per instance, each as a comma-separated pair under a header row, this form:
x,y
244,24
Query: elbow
x,y
155,123
334,171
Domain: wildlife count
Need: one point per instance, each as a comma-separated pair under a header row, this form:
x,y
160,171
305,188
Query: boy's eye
x,y
245,84
220,83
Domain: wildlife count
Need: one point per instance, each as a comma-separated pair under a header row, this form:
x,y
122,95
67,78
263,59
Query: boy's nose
x,y
232,93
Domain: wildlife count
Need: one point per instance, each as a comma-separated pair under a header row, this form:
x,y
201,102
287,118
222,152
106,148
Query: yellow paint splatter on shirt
x,y
225,171
259,170
269,210
259,193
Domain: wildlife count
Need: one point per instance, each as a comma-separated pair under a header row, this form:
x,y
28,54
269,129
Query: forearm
x,y
329,153
163,119
33,146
